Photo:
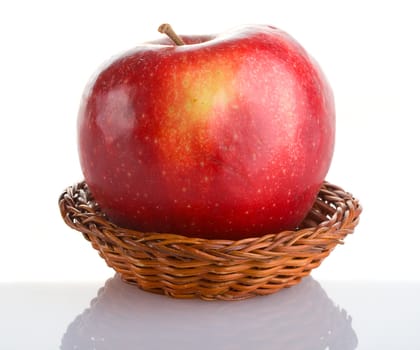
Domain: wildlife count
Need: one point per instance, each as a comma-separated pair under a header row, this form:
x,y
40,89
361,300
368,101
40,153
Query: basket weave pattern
x,y
185,267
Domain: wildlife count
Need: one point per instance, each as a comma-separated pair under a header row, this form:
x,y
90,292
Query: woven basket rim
x,y
89,204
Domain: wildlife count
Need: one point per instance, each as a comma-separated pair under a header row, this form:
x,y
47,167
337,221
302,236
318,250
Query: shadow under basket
x,y
185,267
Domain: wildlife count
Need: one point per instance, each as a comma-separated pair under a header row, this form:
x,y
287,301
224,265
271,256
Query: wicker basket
x,y
185,267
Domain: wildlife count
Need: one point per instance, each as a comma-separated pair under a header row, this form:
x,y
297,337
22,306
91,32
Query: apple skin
x,y
226,137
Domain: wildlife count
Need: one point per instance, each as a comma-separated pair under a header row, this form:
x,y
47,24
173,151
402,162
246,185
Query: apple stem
x,y
166,28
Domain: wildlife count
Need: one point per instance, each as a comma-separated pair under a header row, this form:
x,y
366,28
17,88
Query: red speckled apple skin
x,y
229,136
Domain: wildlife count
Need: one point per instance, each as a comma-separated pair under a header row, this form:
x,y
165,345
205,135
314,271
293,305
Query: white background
x,y
369,51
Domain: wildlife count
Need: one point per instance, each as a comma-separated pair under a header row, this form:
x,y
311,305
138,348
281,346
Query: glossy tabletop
x,y
113,315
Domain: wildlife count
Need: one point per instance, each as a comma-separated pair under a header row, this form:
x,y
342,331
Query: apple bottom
x,y
213,219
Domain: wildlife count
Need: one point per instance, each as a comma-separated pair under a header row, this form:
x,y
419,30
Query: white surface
x,y
312,315
368,49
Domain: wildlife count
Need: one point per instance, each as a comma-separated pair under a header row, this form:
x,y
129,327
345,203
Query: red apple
x,y
228,136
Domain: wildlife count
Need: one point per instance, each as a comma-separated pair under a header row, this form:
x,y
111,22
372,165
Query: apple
x,y
216,136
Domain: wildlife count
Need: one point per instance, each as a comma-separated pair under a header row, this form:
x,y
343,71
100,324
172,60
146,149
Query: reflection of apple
x,y
227,136
122,317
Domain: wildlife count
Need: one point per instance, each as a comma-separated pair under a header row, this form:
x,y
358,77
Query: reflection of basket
x,y
186,267
121,317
